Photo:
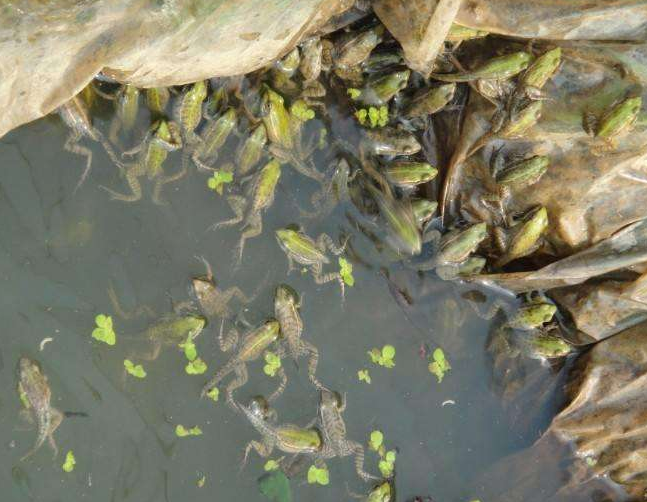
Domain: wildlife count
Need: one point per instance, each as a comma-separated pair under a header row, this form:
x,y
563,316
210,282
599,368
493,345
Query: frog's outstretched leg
x,y
71,145
235,292
311,351
143,310
358,450
282,384
157,190
56,419
241,379
237,203
263,449
325,241
332,276
228,341
253,229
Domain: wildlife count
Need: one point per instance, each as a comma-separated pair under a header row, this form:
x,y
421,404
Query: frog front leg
x,y
235,292
240,370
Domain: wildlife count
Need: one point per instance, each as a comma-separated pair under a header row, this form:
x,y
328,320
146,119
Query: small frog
x,y
310,66
213,137
357,47
333,432
524,238
403,232
390,141
540,345
532,314
214,301
76,116
430,101
305,251
127,106
251,150
409,174
35,395
162,138
497,68
423,210
187,111
286,311
254,343
250,210
615,121
156,100
286,437
380,90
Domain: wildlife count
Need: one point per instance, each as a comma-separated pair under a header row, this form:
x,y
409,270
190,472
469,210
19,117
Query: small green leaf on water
x,y
135,370
196,367
219,179
275,486
373,116
388,353
318,476
375,355
364,376
201,481
387,464
383,116
301,111
271,465
346,271
181,431
353,93
189,350
323,134
273,363
104,332
390,456
439,365
70,462
213,394
376,440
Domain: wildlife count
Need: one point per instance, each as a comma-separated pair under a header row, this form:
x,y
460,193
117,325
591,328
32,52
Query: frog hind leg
x,y
132,178
227,341
357,450
324,241
241,379
313,359
332,276
264,449
159,184
282,384
72,145
252,229
201,165
153,354
57,418
237,204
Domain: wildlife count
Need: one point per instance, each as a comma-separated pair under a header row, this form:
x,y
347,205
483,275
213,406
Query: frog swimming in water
x,y
35,395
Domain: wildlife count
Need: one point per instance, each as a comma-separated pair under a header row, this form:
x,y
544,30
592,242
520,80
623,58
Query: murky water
x,y
58,254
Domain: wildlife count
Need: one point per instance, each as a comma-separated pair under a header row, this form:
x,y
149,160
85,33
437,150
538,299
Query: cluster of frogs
x,y
279,117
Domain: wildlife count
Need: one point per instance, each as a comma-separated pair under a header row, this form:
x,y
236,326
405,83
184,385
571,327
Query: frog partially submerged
x,y
162,138
253,344
523,238
286,311
168,330
76,115
187,111
214,302
126,107
213,137
302,249
35,395
260,196
333,191
333,432
615,121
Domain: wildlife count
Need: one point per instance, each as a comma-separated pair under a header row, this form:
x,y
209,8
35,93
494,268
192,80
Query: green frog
x,y
357,47
76,116
162,138
497,68
251,150
213,137
522,239
615,121
302,249
333,191
249,210
35,395
187,111
288,438
333,432
409,174
252,346
157,99
127,106
214,302
286,311
390,141
430,101
532,314
310,66
380,90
